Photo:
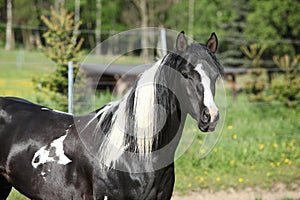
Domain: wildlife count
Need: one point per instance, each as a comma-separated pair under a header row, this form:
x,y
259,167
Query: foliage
x,y
61,37
286,88
236,22
257,84
209,17
272,21
61,47
254,53
283,88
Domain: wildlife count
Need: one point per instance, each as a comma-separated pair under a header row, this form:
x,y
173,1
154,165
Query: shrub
x,y
285,88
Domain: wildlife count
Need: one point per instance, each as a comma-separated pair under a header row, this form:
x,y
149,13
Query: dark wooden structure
x,y
119,77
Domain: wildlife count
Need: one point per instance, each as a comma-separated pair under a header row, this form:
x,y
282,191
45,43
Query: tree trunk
x,y
9,34
144,25
98,27
76,19
191,18
91,38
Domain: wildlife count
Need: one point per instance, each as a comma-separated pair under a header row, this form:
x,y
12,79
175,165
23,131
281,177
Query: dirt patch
x,y
278,192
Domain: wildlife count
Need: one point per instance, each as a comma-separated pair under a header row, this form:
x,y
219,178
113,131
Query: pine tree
x,y
61,46
234,34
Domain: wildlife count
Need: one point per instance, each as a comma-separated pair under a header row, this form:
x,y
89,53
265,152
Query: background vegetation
x,y
259,145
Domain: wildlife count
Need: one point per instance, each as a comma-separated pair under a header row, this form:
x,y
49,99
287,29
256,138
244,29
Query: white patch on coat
x,y
208,96
42,156
46,109
61,112
105,198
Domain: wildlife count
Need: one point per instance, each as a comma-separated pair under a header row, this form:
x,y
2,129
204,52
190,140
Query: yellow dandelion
x,y
283,155
277,164
268,144
241,180
283,144
218,179
252,167
230,127
272,164
189,185
215,149
268,174
261,147
202,151
200,142
232,162
234,136
275,145
201,179
286,161
205,172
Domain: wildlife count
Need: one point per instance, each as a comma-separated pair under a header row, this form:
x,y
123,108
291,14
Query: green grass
x,y
259,145
15,195
17,70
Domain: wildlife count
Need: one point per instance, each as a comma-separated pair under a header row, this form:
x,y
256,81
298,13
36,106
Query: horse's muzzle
x,y
208,120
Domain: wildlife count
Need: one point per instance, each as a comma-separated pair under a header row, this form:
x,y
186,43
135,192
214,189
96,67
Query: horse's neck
x,y
145,120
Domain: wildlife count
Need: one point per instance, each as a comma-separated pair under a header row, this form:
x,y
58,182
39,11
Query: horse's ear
x,y
212,43
181,42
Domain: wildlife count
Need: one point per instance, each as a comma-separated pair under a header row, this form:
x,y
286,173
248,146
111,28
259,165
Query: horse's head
x,y
199,69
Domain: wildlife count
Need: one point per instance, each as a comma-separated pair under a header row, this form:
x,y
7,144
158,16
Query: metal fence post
x,y
163,41
70,87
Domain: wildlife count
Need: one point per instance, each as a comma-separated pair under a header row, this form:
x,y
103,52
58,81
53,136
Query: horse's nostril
x,y
205,116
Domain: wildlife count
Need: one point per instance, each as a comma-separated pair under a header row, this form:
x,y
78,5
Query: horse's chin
x,y
206,128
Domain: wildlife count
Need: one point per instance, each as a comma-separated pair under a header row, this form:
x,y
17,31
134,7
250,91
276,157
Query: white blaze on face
x,y
208,96
51,153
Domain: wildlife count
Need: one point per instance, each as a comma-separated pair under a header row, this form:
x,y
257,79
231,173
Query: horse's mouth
x,y
208,127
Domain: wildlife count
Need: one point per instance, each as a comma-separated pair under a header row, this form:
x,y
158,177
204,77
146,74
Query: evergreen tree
x,y
234,37
61,46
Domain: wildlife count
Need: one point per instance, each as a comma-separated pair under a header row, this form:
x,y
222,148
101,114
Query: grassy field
x,y
259,145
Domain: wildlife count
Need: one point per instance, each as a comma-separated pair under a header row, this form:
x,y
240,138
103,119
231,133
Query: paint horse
x,y
124,150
